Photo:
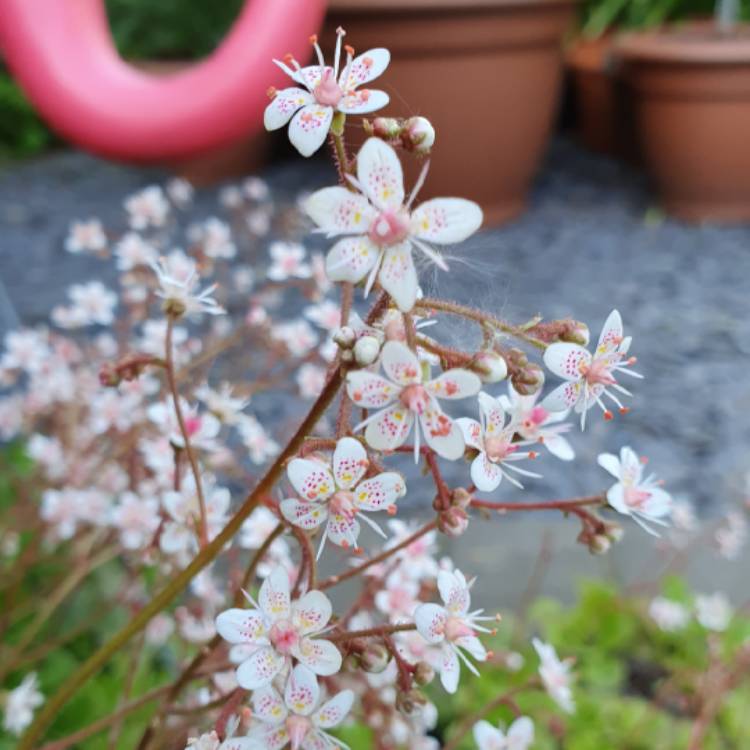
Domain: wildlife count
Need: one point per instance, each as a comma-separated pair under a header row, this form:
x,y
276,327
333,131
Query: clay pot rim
x,y
590,53
688,44
371,6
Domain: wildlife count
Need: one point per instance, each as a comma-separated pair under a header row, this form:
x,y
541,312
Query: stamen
x,y
608,416
340,34
318,52
418,184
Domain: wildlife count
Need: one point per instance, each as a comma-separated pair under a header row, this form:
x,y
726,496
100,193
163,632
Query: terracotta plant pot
x,y
602,112
691,90
238,159
486,73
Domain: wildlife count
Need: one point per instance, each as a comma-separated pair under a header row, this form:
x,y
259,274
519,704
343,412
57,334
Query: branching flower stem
x,y
189,452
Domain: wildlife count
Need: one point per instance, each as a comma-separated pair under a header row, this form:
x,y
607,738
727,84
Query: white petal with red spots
x,y
309,128
400,363
380,492
306,516
337,210
455,383
370,391
310,478
389,429
284,105
446,220
351,259
349,462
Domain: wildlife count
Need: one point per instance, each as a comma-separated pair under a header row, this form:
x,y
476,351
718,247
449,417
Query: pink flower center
x,y
342,504
635,497
327,92
389,227
538,415
192,425
457,628
598,373
283,636
297,727
498,448
415,398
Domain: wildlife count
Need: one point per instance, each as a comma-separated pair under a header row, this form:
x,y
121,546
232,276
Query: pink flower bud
x,y
491,367
418,135
529,379
424,674
453,521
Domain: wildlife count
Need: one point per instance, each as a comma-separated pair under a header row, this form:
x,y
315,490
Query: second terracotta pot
x,y
486,73
691,89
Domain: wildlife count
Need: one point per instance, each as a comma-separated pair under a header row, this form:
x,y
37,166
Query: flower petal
x,y
311,612
379,492
266,737
334,711
493,413
284,105
351,259
337,210
521,732
311,479
389,428
454,591
380,174
611,336
370,391
349,462
472,432
241,625
485,475
306,516
400,363
563,397
398,276
343,530
473,646
431,620
363,101
310,75
302,692
559,447
450,669
319,655
273,597
268,706
309,128
441,433
364,68
567,360
262,666
455,383
610,463
488,737
446,220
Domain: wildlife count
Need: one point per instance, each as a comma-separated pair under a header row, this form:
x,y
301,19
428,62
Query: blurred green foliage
x,y
635,684
602,15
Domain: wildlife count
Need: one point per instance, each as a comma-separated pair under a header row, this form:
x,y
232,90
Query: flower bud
x,y
424,674
453,521
366,350
599,544
375,657
386,128
410,702
613,531
576,333
528,380
418,135
345,337
460,498
491,367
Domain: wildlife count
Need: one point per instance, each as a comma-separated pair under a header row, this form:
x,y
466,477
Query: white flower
x,y
298,720
383,228
159,630
275,630
147,208
325,92
713,611
731,537
310,380
20,704
257,441
113,410
256,189
221,403
216,238
288,261
92,304
60,509
409,397
298,336
326,314
669,615
534,423
180,295
132,250
201,429
519,736
590,376
555,675
137,520
493,438
453,626
86,236
180,191
179,535
336,496
26,349
633,495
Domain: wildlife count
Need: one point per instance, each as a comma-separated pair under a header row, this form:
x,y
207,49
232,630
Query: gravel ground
x,y
589,242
